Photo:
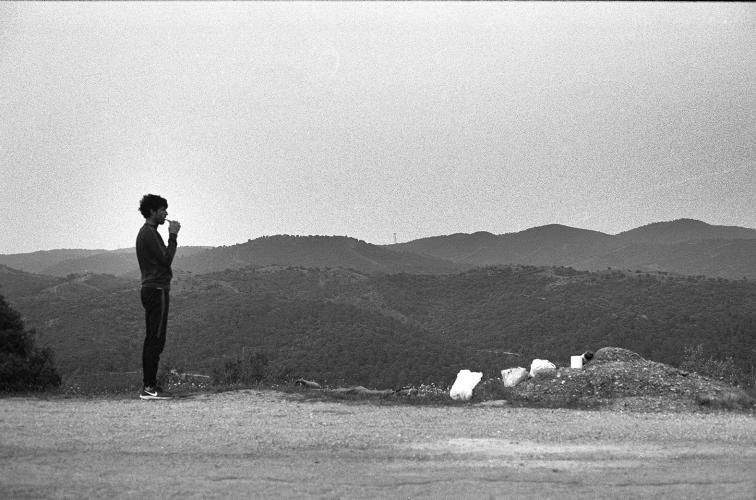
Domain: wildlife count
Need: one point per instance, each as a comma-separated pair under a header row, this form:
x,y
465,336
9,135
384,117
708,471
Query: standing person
x,y
155,264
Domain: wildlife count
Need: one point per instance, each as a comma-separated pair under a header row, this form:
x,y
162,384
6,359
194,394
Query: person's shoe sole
x,y
150,396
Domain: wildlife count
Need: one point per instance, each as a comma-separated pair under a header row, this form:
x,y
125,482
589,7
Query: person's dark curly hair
x,y
151,202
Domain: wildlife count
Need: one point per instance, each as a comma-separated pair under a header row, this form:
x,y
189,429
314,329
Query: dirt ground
x,y
264,444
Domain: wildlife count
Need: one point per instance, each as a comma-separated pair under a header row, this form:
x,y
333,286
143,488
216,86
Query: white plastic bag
x,y
513,376
541,366
464,385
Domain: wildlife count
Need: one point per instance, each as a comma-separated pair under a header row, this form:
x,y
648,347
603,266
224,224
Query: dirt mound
x,y
622,379
616,354
615,378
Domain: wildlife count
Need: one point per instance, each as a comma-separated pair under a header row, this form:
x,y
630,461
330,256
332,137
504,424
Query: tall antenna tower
x,y
394,238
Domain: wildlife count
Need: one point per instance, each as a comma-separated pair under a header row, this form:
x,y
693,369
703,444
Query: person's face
x,y
159,215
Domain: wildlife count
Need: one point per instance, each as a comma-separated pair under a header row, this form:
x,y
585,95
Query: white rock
x,y
464,385
513,376
541,366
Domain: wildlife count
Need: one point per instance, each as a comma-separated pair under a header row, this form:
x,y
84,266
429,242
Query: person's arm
x,y
160,253
170,250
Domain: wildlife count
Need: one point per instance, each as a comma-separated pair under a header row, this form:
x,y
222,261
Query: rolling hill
x,y
683,246
726,258
64,262
683,230
121,262
16,283
283,250
38,262
315,251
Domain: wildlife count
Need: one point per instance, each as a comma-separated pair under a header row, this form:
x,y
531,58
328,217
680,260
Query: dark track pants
x,y
155,302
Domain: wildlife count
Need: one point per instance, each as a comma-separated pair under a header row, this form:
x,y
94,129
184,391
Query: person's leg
x,y
155,302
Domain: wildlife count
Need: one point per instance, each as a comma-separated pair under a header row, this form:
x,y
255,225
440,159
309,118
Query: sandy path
x,y
263,444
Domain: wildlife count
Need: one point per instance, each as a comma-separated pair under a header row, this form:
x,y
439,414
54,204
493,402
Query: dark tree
x,y
22,365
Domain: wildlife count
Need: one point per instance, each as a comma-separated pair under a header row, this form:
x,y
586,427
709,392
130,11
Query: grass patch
x,y
728,400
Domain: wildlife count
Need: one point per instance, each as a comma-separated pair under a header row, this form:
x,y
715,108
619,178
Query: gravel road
x,y
264,444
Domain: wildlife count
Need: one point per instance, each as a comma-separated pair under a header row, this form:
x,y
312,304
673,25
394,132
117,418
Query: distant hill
x,y
459,247
116,262
315,251
682,230
553,244
37,262
732,259
17,283
683,246
340,326
64,262
283,250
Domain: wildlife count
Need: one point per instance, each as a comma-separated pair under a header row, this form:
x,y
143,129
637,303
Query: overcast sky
x,y
369,119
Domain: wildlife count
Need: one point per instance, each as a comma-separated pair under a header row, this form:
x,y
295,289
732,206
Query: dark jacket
x,y
154,257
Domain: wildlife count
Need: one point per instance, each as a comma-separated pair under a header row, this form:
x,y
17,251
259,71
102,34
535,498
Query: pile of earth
x,y
621,379
614,378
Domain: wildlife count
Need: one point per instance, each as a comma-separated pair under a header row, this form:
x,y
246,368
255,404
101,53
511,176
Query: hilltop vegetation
x,y
345,327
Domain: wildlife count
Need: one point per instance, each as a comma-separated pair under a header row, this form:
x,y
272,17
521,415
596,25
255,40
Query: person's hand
x,y
174,226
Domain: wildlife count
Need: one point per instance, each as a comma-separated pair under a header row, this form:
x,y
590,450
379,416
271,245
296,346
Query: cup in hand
x,y
174,226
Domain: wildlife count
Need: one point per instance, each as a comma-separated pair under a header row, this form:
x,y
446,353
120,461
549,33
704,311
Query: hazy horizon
x,y
372,119
164,230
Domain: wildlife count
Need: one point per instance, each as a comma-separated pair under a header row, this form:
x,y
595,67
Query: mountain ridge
x,y
314,251
680,230
686,246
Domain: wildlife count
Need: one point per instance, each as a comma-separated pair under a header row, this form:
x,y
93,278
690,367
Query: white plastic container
x,y
576,362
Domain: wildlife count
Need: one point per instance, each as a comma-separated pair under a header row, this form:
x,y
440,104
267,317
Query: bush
x,y
252,369
22,365
493,389
729,400
695,360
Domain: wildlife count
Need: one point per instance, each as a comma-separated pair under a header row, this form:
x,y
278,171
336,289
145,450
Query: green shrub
x,y
725,370
729,400
493,389
250,369
23,366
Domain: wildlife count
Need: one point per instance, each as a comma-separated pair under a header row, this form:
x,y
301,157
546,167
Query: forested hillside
x,y
315,251
285,250
339,326
683,246
38,262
